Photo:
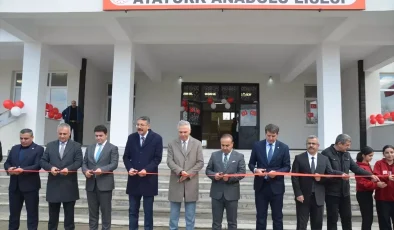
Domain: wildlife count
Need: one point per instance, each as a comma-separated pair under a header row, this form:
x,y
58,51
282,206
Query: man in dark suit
x,y
338,189
310,191
269,156
142,155
60,157
225,189
100,158
24,185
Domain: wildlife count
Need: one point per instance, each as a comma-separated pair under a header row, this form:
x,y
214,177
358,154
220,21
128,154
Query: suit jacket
x,y
107,162
62,188
148,157
26,181
191,162
280,162
302,185
235,165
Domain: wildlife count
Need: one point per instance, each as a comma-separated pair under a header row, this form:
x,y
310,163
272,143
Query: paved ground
x,y
44,226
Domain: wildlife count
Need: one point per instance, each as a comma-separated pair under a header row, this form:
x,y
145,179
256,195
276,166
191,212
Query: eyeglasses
x,y
140,125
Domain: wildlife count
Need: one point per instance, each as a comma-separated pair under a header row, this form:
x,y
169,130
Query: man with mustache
x,y
142,155
310,191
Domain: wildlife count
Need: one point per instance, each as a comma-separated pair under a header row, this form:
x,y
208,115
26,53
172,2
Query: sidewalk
x,y
44,226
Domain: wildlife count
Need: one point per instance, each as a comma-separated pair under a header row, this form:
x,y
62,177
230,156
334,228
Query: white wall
x,y
280,103
350,105
381,135
95,102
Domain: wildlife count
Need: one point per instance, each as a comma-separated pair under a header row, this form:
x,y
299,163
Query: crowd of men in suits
x,y
143,153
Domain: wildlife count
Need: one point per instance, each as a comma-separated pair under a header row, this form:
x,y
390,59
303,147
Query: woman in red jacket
x,y
385,196
365,188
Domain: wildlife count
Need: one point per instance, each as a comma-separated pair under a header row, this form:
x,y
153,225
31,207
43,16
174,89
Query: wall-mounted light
x,y
270,80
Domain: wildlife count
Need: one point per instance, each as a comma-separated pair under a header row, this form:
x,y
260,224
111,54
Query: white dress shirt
x,y
310,159
97,148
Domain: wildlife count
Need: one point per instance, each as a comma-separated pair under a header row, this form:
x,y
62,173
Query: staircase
x,y
246,206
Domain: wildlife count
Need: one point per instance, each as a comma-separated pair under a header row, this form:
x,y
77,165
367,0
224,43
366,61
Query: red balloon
x,y
55,110
184,103
372,121
230,100
49,107
58,116
386,115
392,114
372,117
8,104
379,116
51,114
380,120
210,100
20,104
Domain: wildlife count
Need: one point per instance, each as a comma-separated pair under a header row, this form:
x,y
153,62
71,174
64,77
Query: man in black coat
x,y
24,184
60,157
310,191
338,189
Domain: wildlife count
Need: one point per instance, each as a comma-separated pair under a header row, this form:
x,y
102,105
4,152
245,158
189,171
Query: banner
x,y
109,5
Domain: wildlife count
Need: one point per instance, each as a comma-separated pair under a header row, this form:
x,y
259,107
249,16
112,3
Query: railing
x,y
6,118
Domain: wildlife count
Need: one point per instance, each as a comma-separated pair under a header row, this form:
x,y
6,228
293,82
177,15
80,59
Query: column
x,y
329,94
34,78
122,94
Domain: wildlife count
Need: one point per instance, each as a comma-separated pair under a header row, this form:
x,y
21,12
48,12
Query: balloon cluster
x,y
227,102
379,118
52,112
15,108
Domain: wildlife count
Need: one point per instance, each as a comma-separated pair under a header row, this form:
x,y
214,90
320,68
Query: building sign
x,y
234,4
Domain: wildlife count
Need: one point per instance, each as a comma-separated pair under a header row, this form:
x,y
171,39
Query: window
x,y
228,116
387,92
310,95
56,89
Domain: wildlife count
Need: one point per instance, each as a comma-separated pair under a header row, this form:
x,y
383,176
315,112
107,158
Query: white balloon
x,y
213,106
16,111
227,106
182,108
224,101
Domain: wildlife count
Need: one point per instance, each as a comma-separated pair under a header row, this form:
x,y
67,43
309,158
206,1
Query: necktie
x,y
225,160
313,171
143,140
98,152
61,150
270,152
184,147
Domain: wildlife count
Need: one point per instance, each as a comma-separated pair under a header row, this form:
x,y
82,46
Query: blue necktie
x,y
270,152
98,152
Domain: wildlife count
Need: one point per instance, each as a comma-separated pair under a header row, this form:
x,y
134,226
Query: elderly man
x,y
185,159
225,189
142,155
337,189
24,186
60,157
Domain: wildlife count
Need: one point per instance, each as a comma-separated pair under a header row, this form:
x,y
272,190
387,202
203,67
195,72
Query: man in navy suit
x,y
24,185
142,155
269,156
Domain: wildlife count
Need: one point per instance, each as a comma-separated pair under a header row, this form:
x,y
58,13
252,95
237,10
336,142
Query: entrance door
x,y
194,116
249,128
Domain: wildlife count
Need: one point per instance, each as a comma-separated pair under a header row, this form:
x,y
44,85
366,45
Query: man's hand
x,y
225,177
300,199
260,172
184,176
133,172
98,172
11,170
142,173
317,177
218,176
18,171
64,171
88,174
381,184
345,176
375,178
271,175
54,171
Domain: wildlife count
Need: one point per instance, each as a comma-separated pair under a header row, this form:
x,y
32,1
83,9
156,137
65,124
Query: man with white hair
x,y
185,159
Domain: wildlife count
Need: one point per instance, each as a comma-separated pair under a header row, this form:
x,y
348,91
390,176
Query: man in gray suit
x,y
185,159
61,157
99,162
225,189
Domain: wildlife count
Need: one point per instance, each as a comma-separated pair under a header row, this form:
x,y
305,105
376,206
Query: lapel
x,y
305,159
275,153
66,149
103,151
92,148
265,158
319,164
189,146
148,138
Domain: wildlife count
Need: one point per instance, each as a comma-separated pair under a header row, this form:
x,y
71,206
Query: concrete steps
x,y
247,213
